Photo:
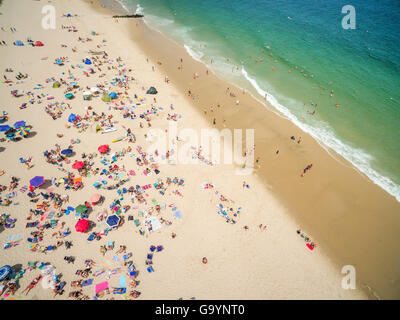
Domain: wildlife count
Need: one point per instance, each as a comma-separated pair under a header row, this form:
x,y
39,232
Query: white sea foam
x,y
327,138
197,55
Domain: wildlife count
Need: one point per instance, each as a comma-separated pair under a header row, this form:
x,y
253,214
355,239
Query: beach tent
x,y
66,152
152,90
19,124
103,149
56,84
4,272
18,43
94,199
81,208
72,118
39,44
113,221
82,225
88,62
106,98
37,181
78,165
113,95
87,95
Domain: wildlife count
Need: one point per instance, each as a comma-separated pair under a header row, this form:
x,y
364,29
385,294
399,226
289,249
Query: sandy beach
x,y
252,251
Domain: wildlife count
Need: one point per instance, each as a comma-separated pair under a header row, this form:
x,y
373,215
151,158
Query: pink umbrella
x,y
95,198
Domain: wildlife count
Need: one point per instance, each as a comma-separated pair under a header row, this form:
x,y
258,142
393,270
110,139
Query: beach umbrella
x,y
81,208
113,95
59,62
95,198
18,43
39,44
69,15
4,272
77,180
19,124
93,32
88,62
66,152
103,149
113,221
23,131
69,95
56,84
78,165
106,98
72,117
37,181
94,89
4,128
82,225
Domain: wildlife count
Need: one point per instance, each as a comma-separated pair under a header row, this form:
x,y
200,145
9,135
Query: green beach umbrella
x,y
81,208
106,98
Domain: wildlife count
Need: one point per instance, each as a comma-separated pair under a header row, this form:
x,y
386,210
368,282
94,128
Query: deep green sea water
x,y
361,66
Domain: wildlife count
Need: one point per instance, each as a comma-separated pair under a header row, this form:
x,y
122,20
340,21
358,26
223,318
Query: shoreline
x,y
253,263
362,245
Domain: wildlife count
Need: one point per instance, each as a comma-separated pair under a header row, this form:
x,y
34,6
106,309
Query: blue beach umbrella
x,y
88,62
4,272
59,62
72,117
113,95
18,43
69,95
36,181
19,124
4,128
66,152
113,220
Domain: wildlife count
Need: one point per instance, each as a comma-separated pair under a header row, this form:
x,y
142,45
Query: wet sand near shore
x,y
354,221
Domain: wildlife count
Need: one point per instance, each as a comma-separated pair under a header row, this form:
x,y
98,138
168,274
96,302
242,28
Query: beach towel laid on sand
x,y
101,286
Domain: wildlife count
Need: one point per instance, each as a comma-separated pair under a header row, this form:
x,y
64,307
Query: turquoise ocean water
x,y
361,66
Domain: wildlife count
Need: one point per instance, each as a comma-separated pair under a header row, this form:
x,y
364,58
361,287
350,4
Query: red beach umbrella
x,y
39,44
78,165
103,149
82,225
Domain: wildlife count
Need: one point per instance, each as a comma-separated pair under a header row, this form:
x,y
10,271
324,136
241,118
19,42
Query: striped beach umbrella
x,y
23,131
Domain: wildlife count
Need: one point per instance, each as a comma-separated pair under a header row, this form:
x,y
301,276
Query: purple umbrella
x,y
19,124
37,181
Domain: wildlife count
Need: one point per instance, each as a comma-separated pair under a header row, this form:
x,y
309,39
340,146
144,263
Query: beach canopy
x,y
113,220
95,198
18,43
66,152
103,149
39,44
81,208
37,181
78,165
113,95
23,131
82,225
106,98
4,272
56,84
72,117
88,62
19,124
152,90
4,128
